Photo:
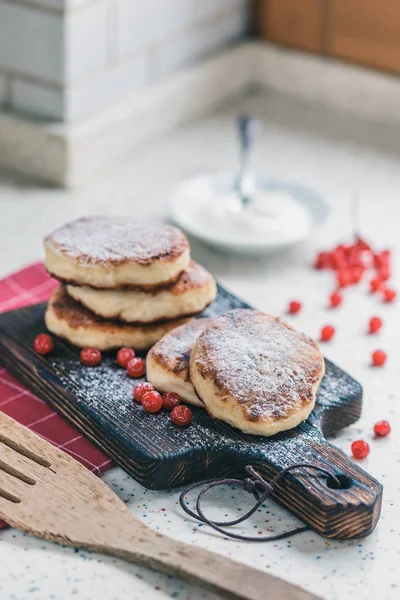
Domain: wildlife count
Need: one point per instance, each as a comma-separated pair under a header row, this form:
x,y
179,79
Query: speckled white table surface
x,y
337,156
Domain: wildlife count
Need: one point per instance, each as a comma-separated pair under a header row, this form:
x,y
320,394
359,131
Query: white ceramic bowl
x,y
187,196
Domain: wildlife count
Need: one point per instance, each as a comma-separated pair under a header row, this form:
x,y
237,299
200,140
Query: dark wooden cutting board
x,y
98,401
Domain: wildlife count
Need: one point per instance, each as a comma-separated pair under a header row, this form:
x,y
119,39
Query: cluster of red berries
x,y
350,264
361,449
144,392
126,358
153,402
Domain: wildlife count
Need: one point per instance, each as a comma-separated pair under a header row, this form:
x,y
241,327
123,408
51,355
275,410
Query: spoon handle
x,y
215,572
245,184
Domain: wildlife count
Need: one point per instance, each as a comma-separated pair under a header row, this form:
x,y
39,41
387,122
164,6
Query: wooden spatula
x,y
45,492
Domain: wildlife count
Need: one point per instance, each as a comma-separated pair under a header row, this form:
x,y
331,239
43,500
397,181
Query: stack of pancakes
x,y
123,282
247,368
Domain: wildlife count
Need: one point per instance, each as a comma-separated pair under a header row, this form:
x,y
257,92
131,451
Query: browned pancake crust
x,y
76,315
173,351
152,288
265,364
116,241
195,276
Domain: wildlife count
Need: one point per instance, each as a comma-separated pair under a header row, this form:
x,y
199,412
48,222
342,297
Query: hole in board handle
x,y
344,480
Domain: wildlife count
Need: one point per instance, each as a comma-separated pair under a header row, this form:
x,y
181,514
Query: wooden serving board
x,y
98,401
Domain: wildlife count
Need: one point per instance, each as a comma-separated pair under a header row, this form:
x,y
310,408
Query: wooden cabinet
x,y
361,31
367,32
298,23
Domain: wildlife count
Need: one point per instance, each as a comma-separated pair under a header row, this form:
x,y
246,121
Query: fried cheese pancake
x,y
256,372
167,363
194,289
111,252
71,321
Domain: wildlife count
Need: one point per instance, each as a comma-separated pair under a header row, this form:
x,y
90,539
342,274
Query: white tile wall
x,y
47,4
235,23
31,41
180,51
68,58
199,41
207,9
85,41
57,5
144,23
37,99
3,89
72,4
77,101
106,89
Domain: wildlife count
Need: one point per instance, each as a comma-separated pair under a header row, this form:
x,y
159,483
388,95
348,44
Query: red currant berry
x,y
152,402
344,278
335,299
360,449
381,259
136,367
323,260
327,333
356,274
382,429
350,251
384,273
124,355
375,324
354,257
181,415
90,356
362,245
354,261
170,400
338,261
386,257
141,389
43,344
378,358
375,285
389,295
294,307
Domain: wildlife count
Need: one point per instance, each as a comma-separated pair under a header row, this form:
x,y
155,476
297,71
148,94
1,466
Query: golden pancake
x,y
110,252
74,323
194,289
167,363
256,372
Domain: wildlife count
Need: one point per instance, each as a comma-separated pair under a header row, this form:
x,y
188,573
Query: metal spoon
x,y
245,183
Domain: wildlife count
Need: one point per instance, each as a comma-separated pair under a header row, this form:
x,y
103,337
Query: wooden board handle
x,y
349,512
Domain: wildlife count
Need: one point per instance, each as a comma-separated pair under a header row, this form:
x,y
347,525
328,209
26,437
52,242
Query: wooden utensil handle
x,y
213,571
348,512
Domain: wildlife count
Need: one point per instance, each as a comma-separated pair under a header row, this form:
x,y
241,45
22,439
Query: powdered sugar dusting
x,y
268,367
96,240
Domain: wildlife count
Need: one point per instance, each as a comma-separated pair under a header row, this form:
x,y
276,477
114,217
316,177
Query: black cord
x,y
256,485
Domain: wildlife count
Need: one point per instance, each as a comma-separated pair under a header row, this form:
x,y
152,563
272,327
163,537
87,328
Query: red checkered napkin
x,y
30,286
